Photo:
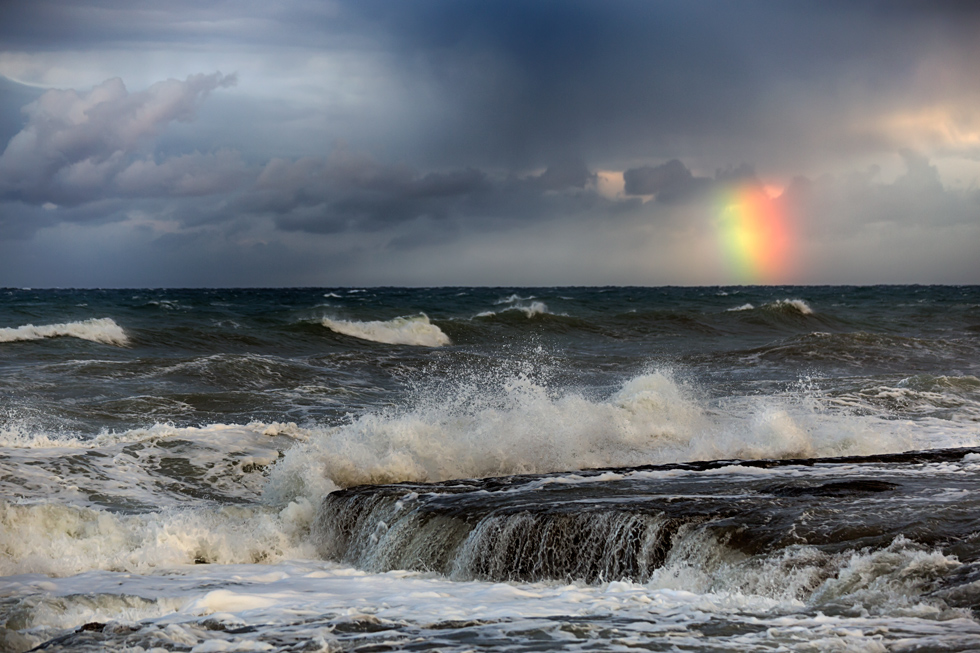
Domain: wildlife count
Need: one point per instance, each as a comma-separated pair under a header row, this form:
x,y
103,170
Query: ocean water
x,y
467,469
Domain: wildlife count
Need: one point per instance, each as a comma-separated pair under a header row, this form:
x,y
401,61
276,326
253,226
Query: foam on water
x,y
321,606
530,310
158,466
145,498
413,330
103,330
790,305
58,539
513,299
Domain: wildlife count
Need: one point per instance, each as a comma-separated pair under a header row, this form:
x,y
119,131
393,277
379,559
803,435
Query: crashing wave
x,y
413,330
530,310
482,427
102,330
790,306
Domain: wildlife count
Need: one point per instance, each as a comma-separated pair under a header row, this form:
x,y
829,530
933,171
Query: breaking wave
x,y
530,310
789,306
125,502
102,330
59,539
785,306
515,425
413,330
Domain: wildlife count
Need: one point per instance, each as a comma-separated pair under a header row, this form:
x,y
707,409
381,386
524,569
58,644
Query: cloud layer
x,y
467,142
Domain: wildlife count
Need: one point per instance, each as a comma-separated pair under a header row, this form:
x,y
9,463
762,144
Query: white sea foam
x,y
478,427
743,307
797,305
103,330
168,304
413,330
58,518
530,310
132,468
58,539
244,607
513,299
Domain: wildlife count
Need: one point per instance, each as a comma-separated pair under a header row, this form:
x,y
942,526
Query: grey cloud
x,y
784,83
650,180
674,182
920,177
353,192
75,143
739,174
515,84
13,97
570,173
187,175
839,207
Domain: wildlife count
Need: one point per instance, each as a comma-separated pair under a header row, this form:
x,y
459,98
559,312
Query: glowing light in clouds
x,y
754,235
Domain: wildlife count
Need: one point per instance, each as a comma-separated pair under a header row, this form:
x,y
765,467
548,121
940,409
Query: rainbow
x,y
754,235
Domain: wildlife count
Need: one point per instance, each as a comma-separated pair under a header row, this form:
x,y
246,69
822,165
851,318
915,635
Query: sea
x,y
746,468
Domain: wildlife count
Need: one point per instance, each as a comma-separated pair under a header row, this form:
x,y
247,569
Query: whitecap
x,y
797,305
412,330
514,299
534,308
103,330
511,424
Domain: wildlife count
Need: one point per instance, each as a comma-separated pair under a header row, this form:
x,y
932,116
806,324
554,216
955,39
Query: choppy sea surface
x,y
466,469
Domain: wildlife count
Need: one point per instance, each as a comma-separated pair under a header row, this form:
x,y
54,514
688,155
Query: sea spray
x,y
478,426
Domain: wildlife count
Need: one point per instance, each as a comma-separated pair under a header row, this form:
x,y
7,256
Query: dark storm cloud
x,y
673,182
518,84
670,182
527,81
353,192
78,148
350,192
464,120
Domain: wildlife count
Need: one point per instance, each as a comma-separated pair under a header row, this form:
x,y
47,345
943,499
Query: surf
x,y
102,330
413,330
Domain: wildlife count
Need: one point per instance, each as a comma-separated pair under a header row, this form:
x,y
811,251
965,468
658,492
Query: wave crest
x,y
413,330
790,306
530,310
103,330
62,540
498,427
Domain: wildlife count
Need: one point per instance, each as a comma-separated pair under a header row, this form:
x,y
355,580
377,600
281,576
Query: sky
x,y
488,142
